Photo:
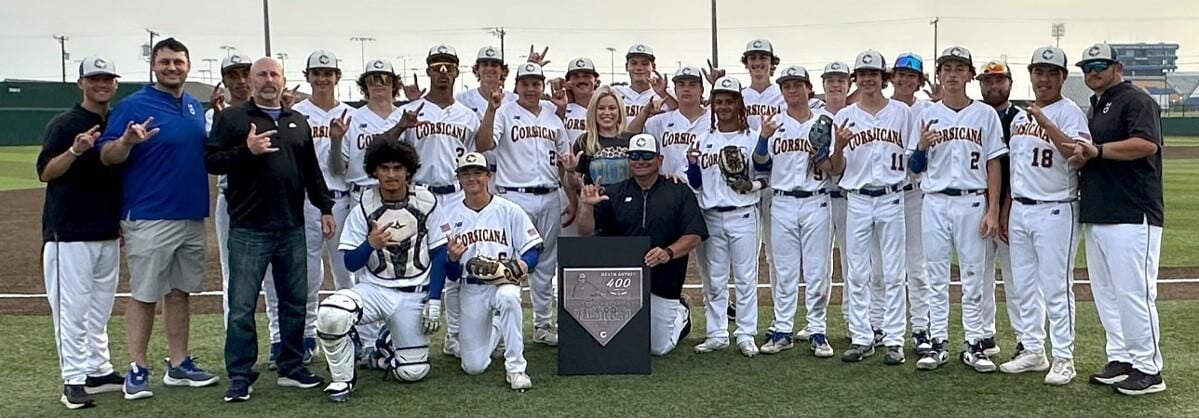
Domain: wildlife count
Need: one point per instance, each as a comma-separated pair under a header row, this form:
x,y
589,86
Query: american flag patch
x,y
532,231
1085,135
445,228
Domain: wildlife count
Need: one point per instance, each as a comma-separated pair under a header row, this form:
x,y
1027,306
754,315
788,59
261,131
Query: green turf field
x,y
16,168
683,383
1182,142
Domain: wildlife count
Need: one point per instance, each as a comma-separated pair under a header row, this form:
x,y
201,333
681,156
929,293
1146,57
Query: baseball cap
x,y
321,59
759,46
640,49
643,142
1049,55
794,72
97,66
1098,52
529,70
994,68
835,67
490,53
236,60
727,84
473,160
958,53
870,60
909,61
379,66
583,64
688,72
442,51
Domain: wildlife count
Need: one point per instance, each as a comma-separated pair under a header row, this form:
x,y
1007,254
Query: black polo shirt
x,y
1123,192
1006,116
84,204
665,212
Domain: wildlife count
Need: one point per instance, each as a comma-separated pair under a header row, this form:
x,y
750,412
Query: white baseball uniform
x,y
474,100
634,101
875,174
676,134
759,104
366,123
839,201
733,241
575,120
1043,227
527,146
499,230
955,187
913,199
801,225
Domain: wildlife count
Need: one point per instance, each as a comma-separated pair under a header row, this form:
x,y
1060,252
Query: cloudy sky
x,y
809,33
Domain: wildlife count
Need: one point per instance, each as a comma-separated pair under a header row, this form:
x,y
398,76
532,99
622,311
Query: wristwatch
x,y
1099,153
669,252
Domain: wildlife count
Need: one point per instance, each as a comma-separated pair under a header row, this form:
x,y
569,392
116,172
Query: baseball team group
x,y
446,206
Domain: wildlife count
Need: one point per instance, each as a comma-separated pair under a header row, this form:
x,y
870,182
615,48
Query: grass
x,y
683,383
1182,142
16,168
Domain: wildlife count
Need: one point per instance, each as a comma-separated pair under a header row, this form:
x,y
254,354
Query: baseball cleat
x,y
878,337
137,383
339,391
803,334
104,383
1026,361
989,347
976,358
820,346
894,355
1113,372
921,342
777,342
857,353
934,357
748,347
1139,383
449,346
546,336
74,396
711,344
519,381
1062,372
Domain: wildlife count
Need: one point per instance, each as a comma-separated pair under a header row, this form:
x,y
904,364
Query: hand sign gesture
x,y
769,125
289,96
1038,115
410,120
590,194
659,83
843,135
495,99
412,91
934,94
138,133
570,161
927,134
379,237
652,108
456,248
539,58
559,97
339,126
693,154
217,99
713,73
260,143
85,140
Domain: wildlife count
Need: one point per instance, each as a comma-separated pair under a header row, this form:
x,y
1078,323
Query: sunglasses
x,y
996,68
1095,66
911,63
642,155
444,68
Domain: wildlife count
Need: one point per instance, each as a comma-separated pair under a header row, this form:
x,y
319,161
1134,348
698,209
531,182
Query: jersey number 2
x,y
974,156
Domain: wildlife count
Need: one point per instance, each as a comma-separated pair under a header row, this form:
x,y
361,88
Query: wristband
x,y
669,252
71,150
1099,155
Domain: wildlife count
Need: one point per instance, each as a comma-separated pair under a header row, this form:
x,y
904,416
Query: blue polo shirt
x,y
164,177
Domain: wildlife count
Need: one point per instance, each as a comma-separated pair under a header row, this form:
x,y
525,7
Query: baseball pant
x,y
917,279
802,239
732,243
368,332
400,311
221,219
1122,262
840,208
951,223
668,317
869,222
545,210
450,292
998,251
478,335
764,204
81,281
314,242
250,251
1044,242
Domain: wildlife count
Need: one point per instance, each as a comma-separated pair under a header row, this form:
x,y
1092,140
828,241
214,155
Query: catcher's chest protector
x,y
408,257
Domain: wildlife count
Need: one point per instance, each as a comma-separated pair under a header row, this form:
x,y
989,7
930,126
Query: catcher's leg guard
x,y
335,320
410,363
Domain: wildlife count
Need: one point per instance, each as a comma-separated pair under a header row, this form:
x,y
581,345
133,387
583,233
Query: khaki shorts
x,y
164,255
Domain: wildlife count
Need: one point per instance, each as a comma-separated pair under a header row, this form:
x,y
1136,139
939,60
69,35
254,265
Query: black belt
x,y
442,190
412,289
1027,201
334,194
798,193
836,193
535,190
908,187
359,188
961,192
727,209
873,193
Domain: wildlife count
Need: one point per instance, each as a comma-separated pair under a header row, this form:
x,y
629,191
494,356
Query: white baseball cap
x,y
321,59
581,64
97,66
643,142
235,60
870,60
794,72
529,70
1049,55
835,67
473,160
727,84
958,53
442,51
379,66
688,72
1098,52
490,53
759,45
640,49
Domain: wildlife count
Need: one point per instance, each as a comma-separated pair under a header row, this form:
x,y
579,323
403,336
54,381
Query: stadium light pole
x,y
62,54
362,40
210,61
935,22
282,56
715,54
1058,31
266,26
228,49
500,33
611,64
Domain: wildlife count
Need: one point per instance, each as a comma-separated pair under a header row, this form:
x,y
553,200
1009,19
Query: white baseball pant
x,y
368,332
918,290
81,282
450,292
1044,242
998,251
545,211
732,244
315,241
872,221
1122,262
668,317
840,207
401,311
952,223
478,335
802,238
764,208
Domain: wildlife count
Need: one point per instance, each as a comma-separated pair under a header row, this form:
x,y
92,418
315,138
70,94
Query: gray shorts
x,y
164,255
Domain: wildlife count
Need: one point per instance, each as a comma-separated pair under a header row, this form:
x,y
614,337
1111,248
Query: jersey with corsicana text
x,y
791,154
320,120
876,155
676,134
527,146
500,230
715,192
364,124
449,133
1039,171
968,139
759,104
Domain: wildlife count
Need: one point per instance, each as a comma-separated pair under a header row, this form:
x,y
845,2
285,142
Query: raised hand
x,y
935,93
559,97
928,135
338,126
570,161
591,195
713,73
456,248
659,84
1038,115
412,91
260,143
289,96
495,99
843,135
652,108
217,99
410,120
85,140
139,133
539,58
693,154
769,125
379,237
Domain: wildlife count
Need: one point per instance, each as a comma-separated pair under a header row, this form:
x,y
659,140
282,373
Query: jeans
x,y
250,251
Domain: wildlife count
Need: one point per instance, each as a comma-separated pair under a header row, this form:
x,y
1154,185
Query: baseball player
x,y
680,129
528,140
396,246
719,166
581,81
1043,223
869,153
907,75
491,71
995,82
801,220
645,84
81,258
485,225
958,153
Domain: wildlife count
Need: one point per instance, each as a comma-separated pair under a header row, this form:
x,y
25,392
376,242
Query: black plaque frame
x,y
628,351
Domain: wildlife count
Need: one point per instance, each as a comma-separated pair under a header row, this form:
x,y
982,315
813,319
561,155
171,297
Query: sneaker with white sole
x,y
519,381
74,396
1026,361
104,383
803,334
339,391
894,355
921,343
857,353
137,383
301,378
989,347
711,344
449,346
547,335
777,342
1139,383
748,347
1113,372
820,346
239,391
1062,372
187,374
976,357
935,357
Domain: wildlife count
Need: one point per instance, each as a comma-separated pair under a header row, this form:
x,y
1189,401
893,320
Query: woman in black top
x,y
602,149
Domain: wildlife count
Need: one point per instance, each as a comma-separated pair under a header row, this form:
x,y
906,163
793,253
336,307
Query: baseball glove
x,y
496,271
821,137
734,169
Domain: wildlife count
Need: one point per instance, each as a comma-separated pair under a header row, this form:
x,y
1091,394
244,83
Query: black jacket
x,y
266,192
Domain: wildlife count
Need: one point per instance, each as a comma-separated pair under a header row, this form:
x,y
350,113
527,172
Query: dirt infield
x,y
21,270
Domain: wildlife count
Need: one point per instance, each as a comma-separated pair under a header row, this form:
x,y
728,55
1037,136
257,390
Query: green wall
x,y
26,107
1181,127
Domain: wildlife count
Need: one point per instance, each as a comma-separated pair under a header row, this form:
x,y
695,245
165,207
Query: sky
x,y
808,33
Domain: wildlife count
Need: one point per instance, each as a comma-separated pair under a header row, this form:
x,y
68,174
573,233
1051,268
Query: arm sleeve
x,y
356,259
1142,117
453,270
54,143
437,271
314,180
603,218
918,161
222,151
694,177
530,257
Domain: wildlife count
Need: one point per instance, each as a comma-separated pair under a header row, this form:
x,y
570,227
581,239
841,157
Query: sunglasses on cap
x,y
909,62
642,155
1096,66
993,68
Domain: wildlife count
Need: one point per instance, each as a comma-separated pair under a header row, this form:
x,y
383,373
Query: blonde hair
x,y
590,139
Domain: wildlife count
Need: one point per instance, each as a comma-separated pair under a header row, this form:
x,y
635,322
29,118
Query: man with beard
x,y
995,82
580,83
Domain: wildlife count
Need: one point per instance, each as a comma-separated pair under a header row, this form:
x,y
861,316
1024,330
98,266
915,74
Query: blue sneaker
x,y
137,383
309,350
239,391
187,374
272,363
301,378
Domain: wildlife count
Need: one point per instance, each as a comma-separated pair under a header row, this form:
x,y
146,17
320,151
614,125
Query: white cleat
x,y
1062,372
803,334
748,348
1025,362
546,336
710,345
519,381
450,345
